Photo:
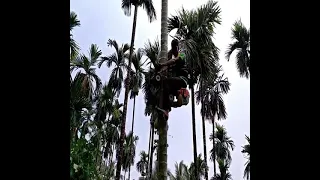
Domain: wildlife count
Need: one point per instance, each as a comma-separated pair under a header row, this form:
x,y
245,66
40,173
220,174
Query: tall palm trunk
x,y
129,171
126,94
204,132
134,106
194,132
214,151
149,148
163,131
151,153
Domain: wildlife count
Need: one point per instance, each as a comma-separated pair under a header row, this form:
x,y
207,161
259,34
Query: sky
x,y
104,19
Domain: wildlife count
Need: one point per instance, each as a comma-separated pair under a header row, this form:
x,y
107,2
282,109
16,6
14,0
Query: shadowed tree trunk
x,y
214,152
163,131
149,149
152,149
204,133
132,126
126,97
194,130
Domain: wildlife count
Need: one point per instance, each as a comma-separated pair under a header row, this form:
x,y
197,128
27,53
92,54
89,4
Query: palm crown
x,y
118,59
241,35
246,151
146,4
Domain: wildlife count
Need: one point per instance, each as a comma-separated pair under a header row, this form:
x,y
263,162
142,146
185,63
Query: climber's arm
x,y
171,61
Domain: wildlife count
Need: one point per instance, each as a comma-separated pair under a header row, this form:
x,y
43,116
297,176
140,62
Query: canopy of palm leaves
x,y
224,171
142,164
146,4
181,172
211,96
74,47
129,150
246,151
223,144
151,51
91,83
241,35
195,31
118,59
201,165
137,73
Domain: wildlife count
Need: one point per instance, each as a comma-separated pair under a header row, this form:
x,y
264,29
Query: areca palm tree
x,y
137,78
212,104
151,94
195,31
129,151
241,35
181,172
112,133
91,83
118,59
74,47
151,12
202,168
149,112
223,144
104,104
78,102
246,151
224,171
136,82
142,164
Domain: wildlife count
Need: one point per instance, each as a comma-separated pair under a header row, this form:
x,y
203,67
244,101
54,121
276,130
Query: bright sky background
x,y
104,19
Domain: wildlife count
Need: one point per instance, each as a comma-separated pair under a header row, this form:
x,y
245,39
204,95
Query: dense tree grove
x,y
100,148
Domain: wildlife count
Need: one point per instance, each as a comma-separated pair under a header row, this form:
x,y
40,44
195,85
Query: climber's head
x,y
175,46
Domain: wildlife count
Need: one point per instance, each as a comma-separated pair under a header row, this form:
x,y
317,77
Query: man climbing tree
x,y
176,81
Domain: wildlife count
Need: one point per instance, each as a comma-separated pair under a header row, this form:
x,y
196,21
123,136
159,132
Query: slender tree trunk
x,y
148,166
204,132
214,150
132,126
125,104
129,171
102,162
163,127
195,154
151,153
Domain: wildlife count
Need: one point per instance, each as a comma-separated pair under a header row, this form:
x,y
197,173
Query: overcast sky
x,y
104,19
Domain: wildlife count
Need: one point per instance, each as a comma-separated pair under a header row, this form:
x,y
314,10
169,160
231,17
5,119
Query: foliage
x,y
96,114
223,144
246,151
241,35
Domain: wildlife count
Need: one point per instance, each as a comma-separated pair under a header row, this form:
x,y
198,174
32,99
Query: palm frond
x,y
94,54
126,7
150,10
113,43
74,21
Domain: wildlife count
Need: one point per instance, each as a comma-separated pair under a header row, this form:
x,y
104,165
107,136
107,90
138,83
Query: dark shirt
x,y
170,55
177,67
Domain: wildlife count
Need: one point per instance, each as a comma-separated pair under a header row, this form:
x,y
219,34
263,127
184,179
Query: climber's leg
x,y
165,112
163,69
182,98
166,108
178,103
174,84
